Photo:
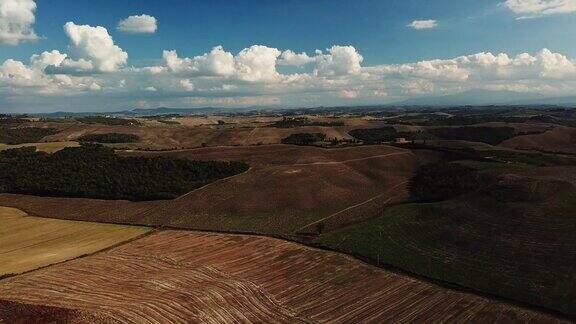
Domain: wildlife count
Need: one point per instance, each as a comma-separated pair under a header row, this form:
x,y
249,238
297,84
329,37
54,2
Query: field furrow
x,y
178,276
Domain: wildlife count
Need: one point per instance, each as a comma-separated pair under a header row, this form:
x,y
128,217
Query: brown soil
x,y
287,188
175,275
559,140
18,313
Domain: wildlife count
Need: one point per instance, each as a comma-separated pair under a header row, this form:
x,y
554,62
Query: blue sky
x,y
377,30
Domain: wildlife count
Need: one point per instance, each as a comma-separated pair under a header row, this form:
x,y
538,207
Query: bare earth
x,y
28,243
286,189
176,276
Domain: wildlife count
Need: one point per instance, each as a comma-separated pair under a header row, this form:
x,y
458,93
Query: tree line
x,y
95,171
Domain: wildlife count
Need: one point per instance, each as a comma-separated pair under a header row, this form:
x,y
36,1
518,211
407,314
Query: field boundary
x,y
108,248
211,183
296,240
355,206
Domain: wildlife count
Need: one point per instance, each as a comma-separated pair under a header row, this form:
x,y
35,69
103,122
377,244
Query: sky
x,y
79,55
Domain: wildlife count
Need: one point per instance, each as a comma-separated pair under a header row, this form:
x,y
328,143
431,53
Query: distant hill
x,y
136,112
484,98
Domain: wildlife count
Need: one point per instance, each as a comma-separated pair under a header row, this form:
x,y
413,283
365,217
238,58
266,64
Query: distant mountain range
x,y
137,112
484,98
468,98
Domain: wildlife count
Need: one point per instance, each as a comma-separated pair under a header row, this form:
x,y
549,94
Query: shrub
x,y
375,135
488,135
441,181
109,138
94,171
304,138
23,135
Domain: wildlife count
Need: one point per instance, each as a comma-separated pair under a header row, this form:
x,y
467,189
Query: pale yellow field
x,y
28,243
49,147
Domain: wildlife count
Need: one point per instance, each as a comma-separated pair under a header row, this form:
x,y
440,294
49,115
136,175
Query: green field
x,y
501,240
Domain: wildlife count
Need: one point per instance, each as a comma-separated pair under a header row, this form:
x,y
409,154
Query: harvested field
x,y
28,243
193,132
17,313
48,147
288,187
174,275
559,140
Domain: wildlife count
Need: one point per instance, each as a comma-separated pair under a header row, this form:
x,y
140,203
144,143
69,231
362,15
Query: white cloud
x,y
348,94
257,63
253,64
17,21
216,63
142,24
537,8
222,78
423,24
187,85
288,57
340,60
94,44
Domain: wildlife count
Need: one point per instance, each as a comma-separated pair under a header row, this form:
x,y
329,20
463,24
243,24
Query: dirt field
x,y
49,147
213,278
18,313
559,140
28,243
194,132
287,188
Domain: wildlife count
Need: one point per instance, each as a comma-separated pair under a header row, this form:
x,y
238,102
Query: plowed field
x,y
175,276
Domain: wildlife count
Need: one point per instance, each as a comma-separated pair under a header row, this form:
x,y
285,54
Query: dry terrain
x,y
286,189
28,243
559,140
193,132
18,313
48,147
176,276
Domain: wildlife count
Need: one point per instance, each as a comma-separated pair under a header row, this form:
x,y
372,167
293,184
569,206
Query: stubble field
x,y
28,243
176,276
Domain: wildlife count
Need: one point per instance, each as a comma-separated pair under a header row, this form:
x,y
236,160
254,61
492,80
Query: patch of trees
x,y
111,121
441,181
290,122
304,138
109,138
20,135
443,120
383,134
94,171
489,135
12,120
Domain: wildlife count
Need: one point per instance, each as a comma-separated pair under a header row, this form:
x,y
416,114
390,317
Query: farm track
x,y
286,188
370,208
170,276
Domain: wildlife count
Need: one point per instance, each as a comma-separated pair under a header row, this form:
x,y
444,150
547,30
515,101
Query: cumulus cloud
x,y
95,45
289,57
423,24
253,64
17,21
340,60
216,63
142,24
187,85
348,94
537,8
219,77
257,63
